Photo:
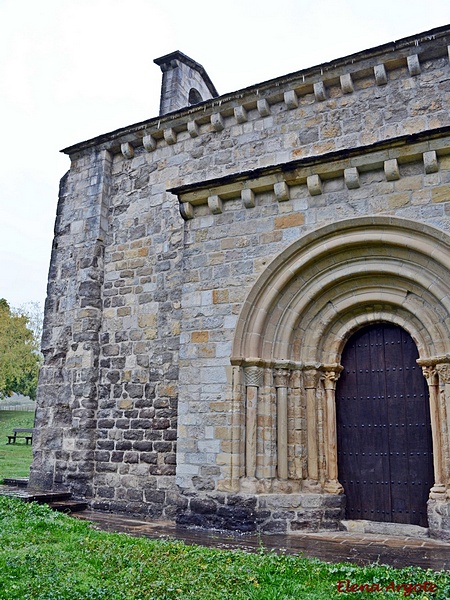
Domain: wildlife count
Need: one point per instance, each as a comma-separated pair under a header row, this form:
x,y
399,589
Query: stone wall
x,y
268,513
142,397
69,381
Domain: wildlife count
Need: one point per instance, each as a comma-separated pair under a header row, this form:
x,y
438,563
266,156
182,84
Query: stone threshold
x,y
391,529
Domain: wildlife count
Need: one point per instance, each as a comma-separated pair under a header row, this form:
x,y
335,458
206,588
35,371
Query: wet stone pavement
x,y
358,548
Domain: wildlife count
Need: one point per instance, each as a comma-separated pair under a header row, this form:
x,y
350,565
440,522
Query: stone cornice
x,y
379,152
425,146
377,61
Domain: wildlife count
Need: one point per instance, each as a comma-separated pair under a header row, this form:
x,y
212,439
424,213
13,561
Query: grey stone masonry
x,y
208,265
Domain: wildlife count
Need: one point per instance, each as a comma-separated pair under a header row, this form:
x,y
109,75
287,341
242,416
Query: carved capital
x,y
431,374
281,377
444,372
329,379
296,379
330,374
311,378
253,376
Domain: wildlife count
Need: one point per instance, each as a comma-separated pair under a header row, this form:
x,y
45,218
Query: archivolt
x,y
317,292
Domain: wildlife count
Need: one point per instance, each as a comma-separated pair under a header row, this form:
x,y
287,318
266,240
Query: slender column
x,y
253,380
311,380
434,375
281,385
237,453
329,378
266,428
296,471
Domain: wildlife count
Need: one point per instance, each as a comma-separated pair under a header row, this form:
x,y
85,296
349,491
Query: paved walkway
x,y
361,549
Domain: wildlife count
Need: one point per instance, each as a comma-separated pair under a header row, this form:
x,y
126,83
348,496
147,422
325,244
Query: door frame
x,y
386,333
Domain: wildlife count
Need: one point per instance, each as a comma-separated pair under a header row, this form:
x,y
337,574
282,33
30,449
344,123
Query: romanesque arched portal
x,y
295,324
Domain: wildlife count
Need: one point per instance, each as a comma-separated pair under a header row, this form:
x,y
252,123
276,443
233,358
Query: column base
x,y
438,492
311,485
333,487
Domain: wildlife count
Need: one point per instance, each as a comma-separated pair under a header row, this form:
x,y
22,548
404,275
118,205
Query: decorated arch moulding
x,y
333,281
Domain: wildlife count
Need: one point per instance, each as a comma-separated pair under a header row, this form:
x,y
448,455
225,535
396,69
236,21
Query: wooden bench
x,y
21,433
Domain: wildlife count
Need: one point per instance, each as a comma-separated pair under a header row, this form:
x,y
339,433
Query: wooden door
x,y
385,460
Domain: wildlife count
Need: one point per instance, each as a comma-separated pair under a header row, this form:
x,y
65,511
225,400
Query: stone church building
x,y
248,315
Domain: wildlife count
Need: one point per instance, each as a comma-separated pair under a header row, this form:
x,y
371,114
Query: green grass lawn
x,y
49,556
15,459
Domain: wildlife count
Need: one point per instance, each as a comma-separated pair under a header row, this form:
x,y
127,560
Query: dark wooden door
x,y
385,459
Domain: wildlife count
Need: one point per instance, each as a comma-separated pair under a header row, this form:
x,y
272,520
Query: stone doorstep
x,y
16,481
391,529
60,501
41,497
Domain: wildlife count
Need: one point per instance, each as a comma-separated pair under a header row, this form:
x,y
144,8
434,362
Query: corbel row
x,y
314,185
391,172
346,81
263,105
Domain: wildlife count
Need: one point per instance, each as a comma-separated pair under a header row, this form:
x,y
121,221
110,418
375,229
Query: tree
x,y
35,314
20,358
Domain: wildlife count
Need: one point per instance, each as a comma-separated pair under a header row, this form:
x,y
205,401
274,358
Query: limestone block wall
x,y
140,407
225,254
69,380
137,416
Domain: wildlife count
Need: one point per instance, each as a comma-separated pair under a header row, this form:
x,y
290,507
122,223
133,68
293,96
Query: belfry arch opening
x,y
194,97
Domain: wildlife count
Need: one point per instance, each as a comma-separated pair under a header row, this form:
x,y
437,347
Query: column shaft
x,y
311,380
433,376
282,432
330,377
250,426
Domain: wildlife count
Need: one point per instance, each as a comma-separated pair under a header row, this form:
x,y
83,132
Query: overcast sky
x,y
73,69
